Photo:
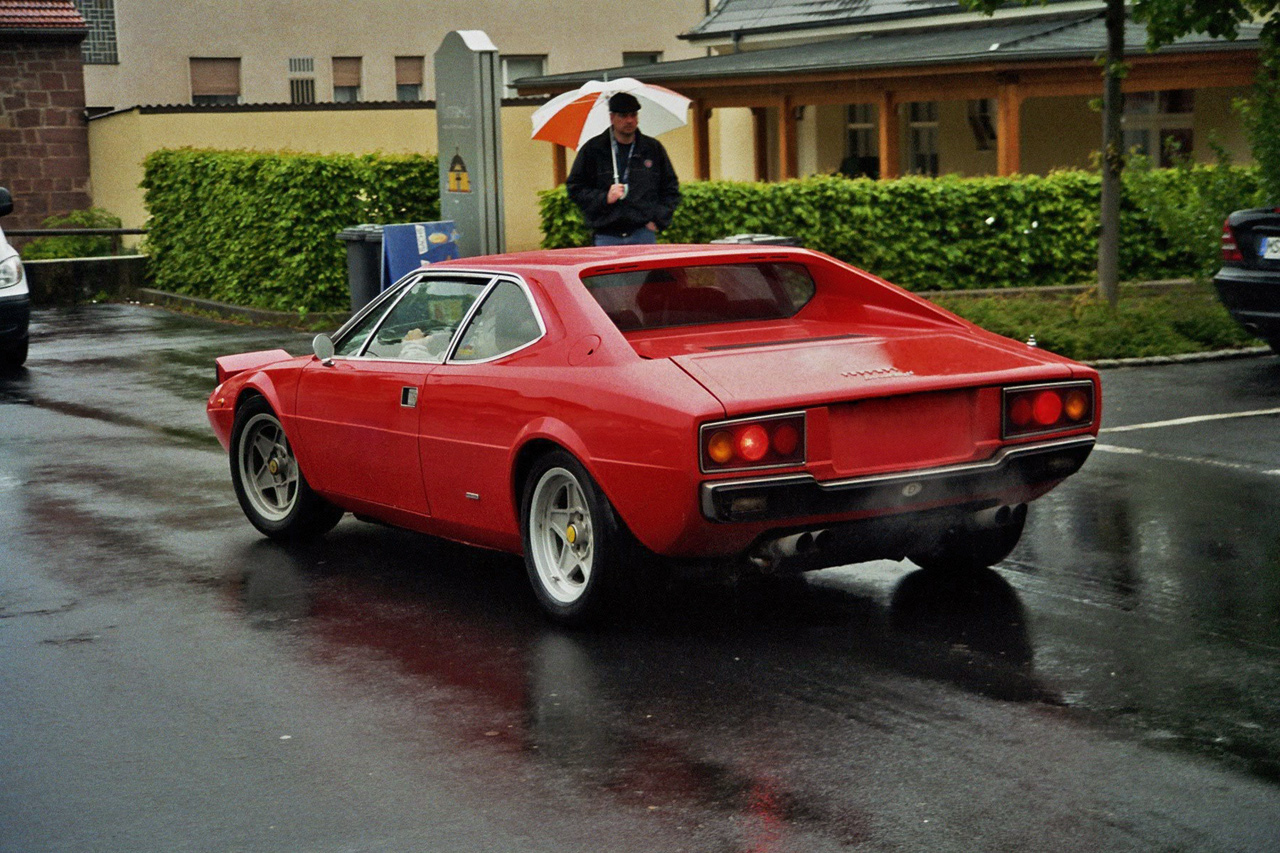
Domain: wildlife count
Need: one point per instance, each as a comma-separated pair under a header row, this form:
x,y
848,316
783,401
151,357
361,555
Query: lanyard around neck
x,y
613,141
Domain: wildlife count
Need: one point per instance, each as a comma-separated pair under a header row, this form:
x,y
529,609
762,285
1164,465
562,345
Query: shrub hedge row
x,y
954,233
258,229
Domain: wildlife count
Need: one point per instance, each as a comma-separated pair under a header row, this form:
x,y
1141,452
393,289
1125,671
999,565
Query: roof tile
x,y
40,15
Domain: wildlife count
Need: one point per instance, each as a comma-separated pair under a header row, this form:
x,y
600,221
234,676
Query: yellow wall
x,y
119,142
1216,120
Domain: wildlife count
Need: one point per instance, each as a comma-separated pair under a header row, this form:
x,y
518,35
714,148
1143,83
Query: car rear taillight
x,y
1039,409
1230,251
746,443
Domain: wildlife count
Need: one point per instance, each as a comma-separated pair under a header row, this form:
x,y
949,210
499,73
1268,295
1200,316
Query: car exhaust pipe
x,y
774,552
988,519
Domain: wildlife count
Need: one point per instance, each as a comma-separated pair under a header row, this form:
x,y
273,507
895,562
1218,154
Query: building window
x,y
641,57
982,123
99,46
922,137
861,142
409,78
1159,124
302,85
346,79
515,67
215,81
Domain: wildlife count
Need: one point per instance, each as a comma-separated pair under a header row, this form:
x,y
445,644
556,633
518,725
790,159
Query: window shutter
x,y
215,77
408,70
346,71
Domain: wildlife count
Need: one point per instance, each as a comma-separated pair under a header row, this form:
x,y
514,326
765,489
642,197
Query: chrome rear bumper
x,y
1012,469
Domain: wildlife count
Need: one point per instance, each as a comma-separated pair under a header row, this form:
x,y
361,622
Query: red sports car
x,y
713,405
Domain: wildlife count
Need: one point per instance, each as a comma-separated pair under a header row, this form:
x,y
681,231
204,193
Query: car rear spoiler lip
x,y
229,365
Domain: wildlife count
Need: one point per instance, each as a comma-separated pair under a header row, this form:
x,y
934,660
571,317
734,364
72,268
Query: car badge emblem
x,y
877,373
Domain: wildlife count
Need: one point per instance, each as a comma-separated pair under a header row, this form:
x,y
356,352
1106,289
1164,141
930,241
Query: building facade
x,y
889,87
44,140
156,52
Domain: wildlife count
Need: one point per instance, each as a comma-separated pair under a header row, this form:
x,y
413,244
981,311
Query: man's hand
x,y
616,193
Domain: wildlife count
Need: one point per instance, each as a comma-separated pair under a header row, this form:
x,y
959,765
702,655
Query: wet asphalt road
x,y
169,680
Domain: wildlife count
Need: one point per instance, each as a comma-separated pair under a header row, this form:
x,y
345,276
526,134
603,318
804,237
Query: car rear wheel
x,y
965,549
572,539
270,486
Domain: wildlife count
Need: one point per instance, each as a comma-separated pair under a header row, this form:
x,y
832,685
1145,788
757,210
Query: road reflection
x,y
639,709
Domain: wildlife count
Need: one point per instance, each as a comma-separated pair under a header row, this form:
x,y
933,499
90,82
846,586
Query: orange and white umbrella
x,y
574,117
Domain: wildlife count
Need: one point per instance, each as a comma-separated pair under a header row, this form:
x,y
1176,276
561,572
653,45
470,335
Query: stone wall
x,y
44,138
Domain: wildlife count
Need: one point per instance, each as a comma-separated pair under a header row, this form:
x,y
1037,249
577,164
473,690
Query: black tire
x,y
573,540
964,550
271,488
14,357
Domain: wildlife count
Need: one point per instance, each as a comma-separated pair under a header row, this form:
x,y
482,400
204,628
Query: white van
x,y
15,299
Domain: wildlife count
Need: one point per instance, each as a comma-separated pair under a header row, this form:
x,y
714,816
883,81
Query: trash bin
x,y
766,239
364,263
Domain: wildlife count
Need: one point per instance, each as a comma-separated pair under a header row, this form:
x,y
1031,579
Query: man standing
x,y
623,180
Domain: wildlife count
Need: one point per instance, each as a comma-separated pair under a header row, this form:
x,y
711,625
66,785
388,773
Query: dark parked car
x,y
1249,281
15,302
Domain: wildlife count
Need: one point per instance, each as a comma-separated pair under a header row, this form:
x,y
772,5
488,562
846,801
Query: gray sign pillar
x,y
469,130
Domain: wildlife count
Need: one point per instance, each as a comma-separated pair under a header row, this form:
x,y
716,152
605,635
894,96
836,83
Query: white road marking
x,y
1193,420
1173,457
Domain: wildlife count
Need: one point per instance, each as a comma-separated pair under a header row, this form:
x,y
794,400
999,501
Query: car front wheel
x,y
269,484
572,539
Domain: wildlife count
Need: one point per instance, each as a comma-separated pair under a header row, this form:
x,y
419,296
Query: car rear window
x,y
689,295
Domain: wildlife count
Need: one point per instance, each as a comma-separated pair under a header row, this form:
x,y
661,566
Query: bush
x,y
951,233
1085,327
259,229
74,246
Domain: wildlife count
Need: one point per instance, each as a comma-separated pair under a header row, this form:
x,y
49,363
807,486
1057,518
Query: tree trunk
x,y
1112,156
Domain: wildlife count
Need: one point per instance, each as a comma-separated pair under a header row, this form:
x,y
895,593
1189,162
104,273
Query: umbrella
x,y
574,117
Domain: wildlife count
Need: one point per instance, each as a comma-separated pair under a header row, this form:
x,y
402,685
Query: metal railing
x,y
115,233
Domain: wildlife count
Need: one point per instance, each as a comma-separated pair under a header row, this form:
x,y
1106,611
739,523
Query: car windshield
x,y
689,295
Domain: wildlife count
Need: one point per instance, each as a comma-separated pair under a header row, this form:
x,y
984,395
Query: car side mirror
x,y
6,202
323,346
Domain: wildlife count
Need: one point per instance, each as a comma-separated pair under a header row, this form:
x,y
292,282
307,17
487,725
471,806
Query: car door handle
x,y
408,396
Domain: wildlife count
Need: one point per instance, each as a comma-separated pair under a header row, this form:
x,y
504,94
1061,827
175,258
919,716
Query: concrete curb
x,y
242,314
1185,358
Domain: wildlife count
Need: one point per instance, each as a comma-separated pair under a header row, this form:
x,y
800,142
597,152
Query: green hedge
x,y
258,229
954,233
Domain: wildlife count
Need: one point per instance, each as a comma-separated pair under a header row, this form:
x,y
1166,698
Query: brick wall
x,y
44,138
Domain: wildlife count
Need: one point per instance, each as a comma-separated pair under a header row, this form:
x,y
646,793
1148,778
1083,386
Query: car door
x,y
360,411
474,407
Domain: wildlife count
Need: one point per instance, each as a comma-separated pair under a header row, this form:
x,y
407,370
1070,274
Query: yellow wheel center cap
x,y
571,534
274,466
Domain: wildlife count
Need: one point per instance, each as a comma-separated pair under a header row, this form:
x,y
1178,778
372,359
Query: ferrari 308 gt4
x,y
712,405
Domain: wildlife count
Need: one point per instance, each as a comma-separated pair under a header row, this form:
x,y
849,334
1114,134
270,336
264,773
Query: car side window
x,y
504,322
423,322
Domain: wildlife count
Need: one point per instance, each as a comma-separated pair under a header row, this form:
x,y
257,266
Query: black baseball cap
x,y
624,102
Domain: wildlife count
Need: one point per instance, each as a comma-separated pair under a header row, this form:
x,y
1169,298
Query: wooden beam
x,y
890,136
1009,130
760,137
701,140
788,156
559,170
956,82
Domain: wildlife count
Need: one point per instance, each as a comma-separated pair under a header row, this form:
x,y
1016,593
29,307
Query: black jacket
x,y
653,191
